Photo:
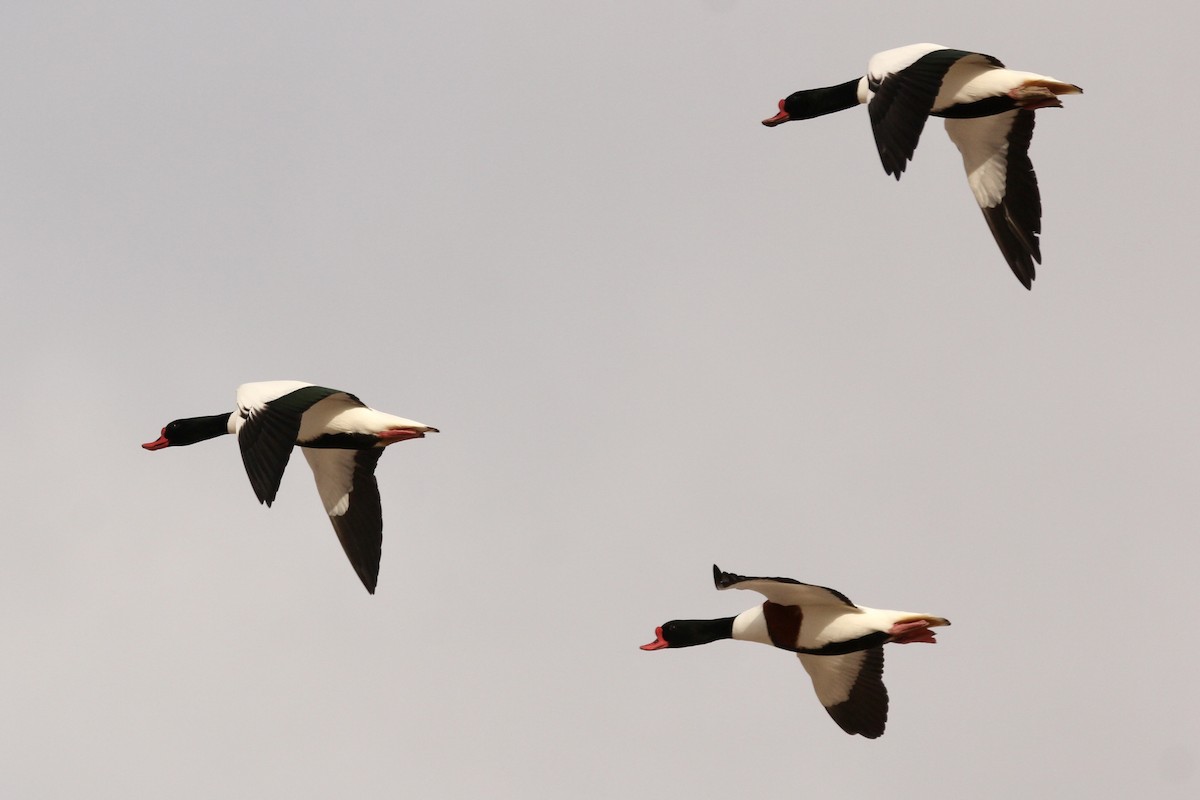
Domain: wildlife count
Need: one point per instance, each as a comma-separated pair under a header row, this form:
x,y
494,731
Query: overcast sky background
x,y
655,335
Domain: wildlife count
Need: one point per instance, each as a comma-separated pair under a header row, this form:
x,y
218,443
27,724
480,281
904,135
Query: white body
x,y
822,624
971,78
338,413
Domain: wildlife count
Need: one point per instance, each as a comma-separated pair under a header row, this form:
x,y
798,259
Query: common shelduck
x,y
839,643
341,438
989,116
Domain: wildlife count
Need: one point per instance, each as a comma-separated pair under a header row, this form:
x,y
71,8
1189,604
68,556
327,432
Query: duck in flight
x,y
839,643
989,114
341,438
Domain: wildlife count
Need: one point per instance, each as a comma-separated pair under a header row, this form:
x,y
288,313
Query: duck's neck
x,y
199,429
691,632
826,100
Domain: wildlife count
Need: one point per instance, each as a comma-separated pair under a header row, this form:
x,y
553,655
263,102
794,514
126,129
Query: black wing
x,y
1016,222
350,494
268,434
784,591
902,102
995,154
851,689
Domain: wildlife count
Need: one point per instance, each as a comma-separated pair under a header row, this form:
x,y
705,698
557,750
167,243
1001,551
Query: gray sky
x,y
655,335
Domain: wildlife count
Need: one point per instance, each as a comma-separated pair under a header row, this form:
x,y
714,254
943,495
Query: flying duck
x,y
839,643
989,117
341,438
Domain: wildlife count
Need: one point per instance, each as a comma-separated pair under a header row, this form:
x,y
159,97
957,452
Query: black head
x,y
799,105
690,632
189,431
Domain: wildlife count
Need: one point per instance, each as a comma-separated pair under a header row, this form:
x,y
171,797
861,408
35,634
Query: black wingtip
x,y
1024,270
368,576
722,579
892,169
368,580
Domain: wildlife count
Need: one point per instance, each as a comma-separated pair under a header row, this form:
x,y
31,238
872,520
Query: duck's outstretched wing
x,y
350,494
851,689
271,413
902,86
784,591
995,152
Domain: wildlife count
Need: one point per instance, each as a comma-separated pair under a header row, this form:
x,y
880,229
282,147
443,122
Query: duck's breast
x,y
751,626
